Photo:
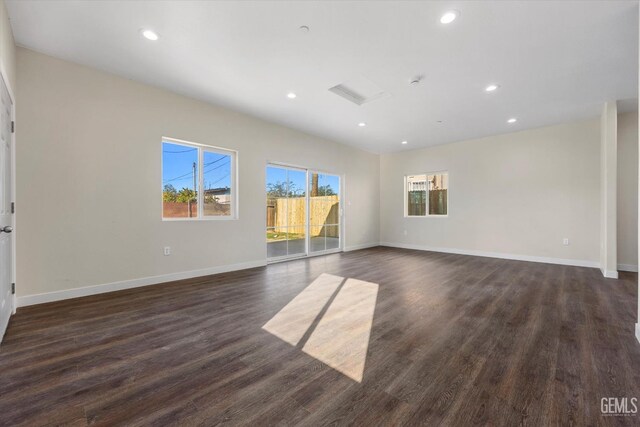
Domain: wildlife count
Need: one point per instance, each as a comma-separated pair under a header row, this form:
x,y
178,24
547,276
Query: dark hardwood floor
x,y
455,340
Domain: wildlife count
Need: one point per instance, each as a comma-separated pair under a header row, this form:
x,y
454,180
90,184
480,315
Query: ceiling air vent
x,y
359,91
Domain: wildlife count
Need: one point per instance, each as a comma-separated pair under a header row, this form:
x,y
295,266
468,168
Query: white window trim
x,y
234,180
427,214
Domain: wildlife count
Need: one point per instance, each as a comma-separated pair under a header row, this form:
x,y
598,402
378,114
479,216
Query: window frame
x,y
202,148
427,214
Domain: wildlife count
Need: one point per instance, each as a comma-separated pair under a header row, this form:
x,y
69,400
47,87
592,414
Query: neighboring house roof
x,y
218,191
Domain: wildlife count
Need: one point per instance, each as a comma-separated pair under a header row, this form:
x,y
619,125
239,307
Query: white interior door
x,y
6,266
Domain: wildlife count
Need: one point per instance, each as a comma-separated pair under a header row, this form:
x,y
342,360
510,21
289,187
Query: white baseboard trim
x,y
4,323
610,274
133,283
530,258
362,246
638,331
628,267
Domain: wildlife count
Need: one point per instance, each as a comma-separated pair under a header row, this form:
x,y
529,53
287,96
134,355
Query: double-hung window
x,y
198,181
426,194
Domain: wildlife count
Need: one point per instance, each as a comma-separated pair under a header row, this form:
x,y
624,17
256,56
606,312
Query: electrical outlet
x,y
405,232
565,241
167,250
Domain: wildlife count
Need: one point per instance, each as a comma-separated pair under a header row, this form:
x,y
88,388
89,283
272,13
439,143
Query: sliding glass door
x,y
324,212
303,212
286,212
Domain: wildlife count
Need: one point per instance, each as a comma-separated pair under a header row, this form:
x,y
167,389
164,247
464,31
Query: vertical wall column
x,y
608,190
638,318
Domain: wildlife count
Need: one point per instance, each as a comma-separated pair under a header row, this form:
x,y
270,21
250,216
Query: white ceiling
x,y
555,61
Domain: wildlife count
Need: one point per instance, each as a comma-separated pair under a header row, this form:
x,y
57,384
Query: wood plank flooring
x,y
455,340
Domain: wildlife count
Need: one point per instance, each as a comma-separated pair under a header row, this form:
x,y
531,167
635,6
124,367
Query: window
x,y
427,194
198,181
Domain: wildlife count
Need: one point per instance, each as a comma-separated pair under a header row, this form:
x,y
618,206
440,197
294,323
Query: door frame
x,y
5,79
308,253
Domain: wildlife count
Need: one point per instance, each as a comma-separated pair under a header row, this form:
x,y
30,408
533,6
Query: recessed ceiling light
x,y
404,142
491,88
512,120
449,17
362,124
150,35
291,95
304,28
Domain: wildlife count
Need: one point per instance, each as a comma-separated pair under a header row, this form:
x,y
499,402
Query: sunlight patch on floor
x,y
291,323
331,321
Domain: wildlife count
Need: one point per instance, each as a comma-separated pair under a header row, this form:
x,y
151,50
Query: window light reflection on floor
x,y
330,320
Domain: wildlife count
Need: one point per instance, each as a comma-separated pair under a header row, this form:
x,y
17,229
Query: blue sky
x,y
177,170
275,174
177,167
297,178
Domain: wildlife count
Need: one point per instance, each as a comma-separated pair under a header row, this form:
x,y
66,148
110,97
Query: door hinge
x,y
13,288
13,207
13,127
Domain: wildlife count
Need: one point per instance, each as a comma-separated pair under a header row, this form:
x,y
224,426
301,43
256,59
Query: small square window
x,y
198,182
427,194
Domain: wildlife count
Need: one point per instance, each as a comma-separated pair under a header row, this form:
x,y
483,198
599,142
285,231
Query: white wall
x,y
638,158
7,47
514,195
517,195
628,191
89,183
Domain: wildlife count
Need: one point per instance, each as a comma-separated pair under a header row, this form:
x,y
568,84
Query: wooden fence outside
x,y
288,215
438,202
181,210
417,203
